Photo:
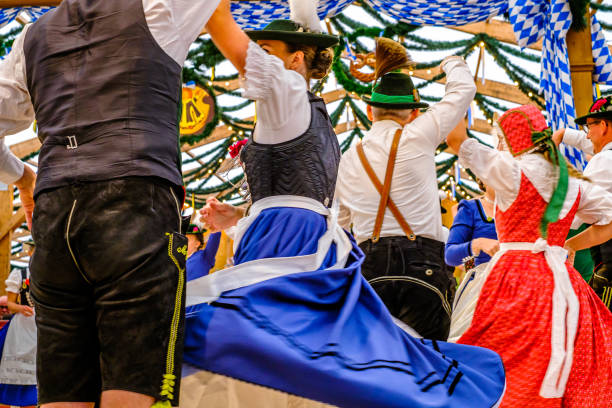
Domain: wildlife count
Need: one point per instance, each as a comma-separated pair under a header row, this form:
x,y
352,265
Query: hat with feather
x,y
304,27
393,89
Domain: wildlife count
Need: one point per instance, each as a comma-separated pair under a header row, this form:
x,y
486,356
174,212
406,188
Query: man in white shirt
x,y
103,79
410,276
597,141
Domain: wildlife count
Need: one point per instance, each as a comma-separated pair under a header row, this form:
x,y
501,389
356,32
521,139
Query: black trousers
x,y
601,281
413,281
108,283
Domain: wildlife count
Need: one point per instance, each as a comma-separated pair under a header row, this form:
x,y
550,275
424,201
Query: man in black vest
x,y
103,79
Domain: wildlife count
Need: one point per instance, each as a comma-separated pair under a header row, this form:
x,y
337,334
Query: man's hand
x,y
26,192
557,137
486,245
217,216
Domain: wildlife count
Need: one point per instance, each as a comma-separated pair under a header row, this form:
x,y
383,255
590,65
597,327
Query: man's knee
x,y
125,399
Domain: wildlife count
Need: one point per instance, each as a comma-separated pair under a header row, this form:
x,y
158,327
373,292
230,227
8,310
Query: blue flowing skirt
x,y
12,394
325,335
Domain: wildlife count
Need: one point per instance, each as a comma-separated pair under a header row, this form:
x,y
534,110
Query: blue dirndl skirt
x,y
325,334
12,394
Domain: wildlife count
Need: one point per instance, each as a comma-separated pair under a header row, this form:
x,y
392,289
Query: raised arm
x,y
496,169
228,36
575,138
16,114
442,117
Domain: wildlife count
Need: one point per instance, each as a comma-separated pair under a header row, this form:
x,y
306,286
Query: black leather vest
x,y
306,166
106,96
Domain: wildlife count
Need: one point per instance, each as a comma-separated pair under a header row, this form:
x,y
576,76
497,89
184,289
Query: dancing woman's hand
x,y
217,216
486,245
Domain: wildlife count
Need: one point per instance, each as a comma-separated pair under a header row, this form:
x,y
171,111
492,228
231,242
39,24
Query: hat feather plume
x,y
304,12
390,56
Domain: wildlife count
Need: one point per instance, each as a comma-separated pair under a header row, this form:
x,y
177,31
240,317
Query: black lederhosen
x,y
413,281
108,282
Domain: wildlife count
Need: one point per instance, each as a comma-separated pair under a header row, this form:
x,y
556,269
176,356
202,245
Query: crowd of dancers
x,y
341,290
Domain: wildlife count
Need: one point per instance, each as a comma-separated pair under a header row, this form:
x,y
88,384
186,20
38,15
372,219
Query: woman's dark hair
x,y
318,60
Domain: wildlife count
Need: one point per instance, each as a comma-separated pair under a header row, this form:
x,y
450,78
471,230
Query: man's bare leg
x,y
124,399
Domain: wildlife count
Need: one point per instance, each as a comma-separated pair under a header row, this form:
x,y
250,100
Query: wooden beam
x,y
25,148
6,220
500,30
581,67
13,223
490,88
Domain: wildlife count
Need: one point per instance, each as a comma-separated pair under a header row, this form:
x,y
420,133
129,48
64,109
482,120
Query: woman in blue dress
x,y
295,314
472,241
201,251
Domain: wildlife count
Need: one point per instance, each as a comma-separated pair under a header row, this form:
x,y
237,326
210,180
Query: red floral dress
x,y
514,314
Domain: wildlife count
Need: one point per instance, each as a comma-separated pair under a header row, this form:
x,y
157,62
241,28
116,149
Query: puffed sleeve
x,y
459,241
497,169
595,204
13,282
283,109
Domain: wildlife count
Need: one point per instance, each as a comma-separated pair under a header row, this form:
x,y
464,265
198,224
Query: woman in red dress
x,y
553,333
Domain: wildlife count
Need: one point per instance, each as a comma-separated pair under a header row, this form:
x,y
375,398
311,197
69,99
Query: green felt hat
x,y
395,90
290,31
601,108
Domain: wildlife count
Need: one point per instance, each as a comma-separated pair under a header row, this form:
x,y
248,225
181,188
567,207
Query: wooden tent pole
x,y
581,66
6,212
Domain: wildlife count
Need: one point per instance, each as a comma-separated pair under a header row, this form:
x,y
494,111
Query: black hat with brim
x,y
601,109
290,31
395,91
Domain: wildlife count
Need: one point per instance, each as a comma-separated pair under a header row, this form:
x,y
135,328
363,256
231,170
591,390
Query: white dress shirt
x,y
502,172
599,168
414,187
174,24
283,109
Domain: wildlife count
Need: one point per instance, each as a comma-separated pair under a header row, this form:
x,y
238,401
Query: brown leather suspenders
x,y
383,190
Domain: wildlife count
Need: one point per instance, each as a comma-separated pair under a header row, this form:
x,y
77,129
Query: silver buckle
x,y
72,143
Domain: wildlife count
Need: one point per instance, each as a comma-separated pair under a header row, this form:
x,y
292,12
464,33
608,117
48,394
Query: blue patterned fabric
x,y
325,334
439,12
11,394
534,19
601,54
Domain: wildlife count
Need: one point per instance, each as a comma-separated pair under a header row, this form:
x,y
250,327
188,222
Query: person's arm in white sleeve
x,y
495,168
16,114
442,117
595,208
578,139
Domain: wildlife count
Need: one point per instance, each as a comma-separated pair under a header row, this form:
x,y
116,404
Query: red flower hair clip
x,y
235,149
598,104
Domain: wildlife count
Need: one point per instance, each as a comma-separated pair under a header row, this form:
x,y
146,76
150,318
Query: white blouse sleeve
x,y
283,109
497,169
595,204
436,123
13,282
578,139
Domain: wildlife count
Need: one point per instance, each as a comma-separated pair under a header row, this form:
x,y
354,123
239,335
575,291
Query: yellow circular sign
x,y
198,110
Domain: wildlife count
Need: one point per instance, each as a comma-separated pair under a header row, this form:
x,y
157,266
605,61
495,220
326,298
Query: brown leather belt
x,y
383,190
